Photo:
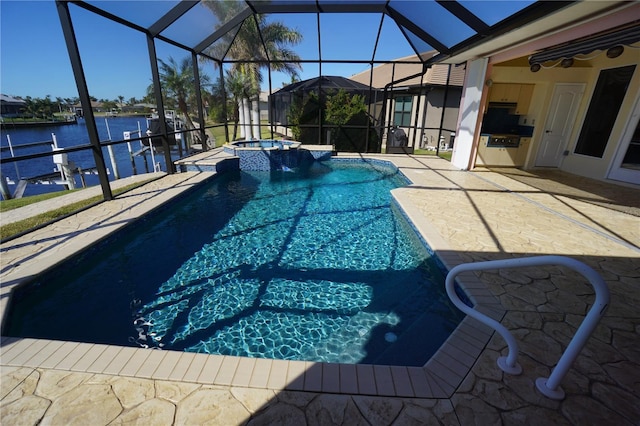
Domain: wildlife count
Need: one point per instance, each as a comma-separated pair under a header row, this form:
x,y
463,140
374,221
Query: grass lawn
x,y
443,154
11,229
221,139
15,203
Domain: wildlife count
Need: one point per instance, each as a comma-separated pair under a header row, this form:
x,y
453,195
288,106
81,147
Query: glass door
x,y
626,164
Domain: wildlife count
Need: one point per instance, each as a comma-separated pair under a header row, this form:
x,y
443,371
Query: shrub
x,y
339,111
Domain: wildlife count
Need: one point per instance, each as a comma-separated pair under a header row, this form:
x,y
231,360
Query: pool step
x,y
411,343
210,161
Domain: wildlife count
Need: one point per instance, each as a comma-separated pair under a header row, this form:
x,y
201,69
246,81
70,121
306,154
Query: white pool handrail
x,y
550,386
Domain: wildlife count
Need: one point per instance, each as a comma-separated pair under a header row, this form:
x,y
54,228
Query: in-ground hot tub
x,y
264,144
271,154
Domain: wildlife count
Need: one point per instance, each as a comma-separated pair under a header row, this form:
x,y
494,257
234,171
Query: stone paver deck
x,y
464,216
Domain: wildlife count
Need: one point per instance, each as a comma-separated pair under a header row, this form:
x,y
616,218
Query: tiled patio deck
x,y
465,216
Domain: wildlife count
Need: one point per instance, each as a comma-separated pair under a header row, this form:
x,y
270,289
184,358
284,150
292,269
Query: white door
x,y
626,164
559,124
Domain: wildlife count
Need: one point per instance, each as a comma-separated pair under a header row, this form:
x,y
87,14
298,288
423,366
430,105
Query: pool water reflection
x,y
314,264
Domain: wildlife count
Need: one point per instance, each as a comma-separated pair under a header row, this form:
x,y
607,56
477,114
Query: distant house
x,y
421,104
264,106
11,107
95,106
138,108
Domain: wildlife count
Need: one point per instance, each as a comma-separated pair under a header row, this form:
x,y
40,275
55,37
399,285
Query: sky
x,y
34,60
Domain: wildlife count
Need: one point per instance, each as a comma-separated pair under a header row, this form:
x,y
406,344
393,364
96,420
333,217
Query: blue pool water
x,y
314,264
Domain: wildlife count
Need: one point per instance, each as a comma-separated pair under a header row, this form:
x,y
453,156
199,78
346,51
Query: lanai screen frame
x,y
411,30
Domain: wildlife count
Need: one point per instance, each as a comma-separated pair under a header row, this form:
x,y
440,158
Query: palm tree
x,y
178,85
59,102
259,43
40,107
69,102
238,87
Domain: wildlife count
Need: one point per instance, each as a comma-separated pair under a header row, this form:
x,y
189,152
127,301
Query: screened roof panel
x,y
393,44
419,45
434,20
359,45
224,11
249,46
353,5
447,26
218,49
142,13
285,5
304,23
192,27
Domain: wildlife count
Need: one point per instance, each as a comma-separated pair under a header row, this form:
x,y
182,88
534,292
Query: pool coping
x,y
438,378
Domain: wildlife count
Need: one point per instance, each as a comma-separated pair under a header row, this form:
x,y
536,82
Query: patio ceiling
x,y
445,26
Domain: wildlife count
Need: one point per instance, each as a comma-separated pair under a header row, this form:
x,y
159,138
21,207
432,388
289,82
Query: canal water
x,y
74,135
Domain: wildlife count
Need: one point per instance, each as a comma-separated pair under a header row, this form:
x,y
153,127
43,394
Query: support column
x,y
255,117
468,117
246,113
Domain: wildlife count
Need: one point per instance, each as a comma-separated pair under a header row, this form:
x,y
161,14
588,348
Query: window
x,y
631,159
402,113
603,110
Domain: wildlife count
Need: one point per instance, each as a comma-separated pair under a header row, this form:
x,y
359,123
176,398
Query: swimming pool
x,y
313,264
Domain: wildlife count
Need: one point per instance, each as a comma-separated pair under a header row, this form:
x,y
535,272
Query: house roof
x,y
144,105
10,100
436,74
326,82
94,104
